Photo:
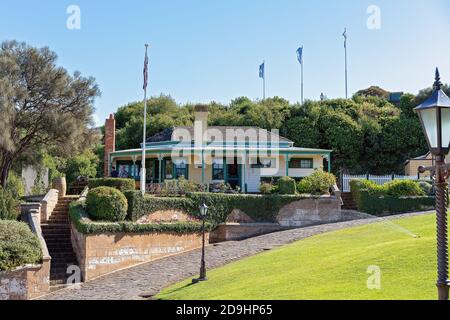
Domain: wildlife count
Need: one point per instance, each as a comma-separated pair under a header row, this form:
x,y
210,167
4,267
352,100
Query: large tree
x,y
42,106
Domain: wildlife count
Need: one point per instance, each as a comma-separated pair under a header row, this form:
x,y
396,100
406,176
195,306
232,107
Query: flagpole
x,y
144,139
302,76
346,65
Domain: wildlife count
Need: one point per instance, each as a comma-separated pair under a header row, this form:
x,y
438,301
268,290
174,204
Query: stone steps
x,y
57,236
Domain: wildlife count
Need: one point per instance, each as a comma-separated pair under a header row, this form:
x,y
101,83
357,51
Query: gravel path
x,y
150,278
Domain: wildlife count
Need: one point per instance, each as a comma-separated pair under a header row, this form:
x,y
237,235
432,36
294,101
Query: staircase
x,y
56,232
349,203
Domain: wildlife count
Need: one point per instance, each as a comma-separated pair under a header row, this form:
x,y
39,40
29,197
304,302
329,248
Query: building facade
x,y
239,156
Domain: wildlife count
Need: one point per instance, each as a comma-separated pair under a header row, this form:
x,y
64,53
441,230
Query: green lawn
x,y
330,266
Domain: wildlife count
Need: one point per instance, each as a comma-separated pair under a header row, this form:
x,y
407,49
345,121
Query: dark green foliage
x,y
287,185
106,204
85,226
426,187
377,205
18,246
117,183
319,183
403,188
9,206
259,208
84,165
374,199
139,206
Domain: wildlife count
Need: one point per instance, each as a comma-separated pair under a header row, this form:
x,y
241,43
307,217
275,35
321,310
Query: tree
x,y
42,106
84,165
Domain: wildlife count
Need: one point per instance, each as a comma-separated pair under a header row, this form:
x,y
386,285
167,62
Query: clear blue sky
x,y
204,50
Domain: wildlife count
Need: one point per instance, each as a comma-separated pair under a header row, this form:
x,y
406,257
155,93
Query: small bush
x,y
426,187
287,185
319,183
18,246
15,186
117,183
403,188
266,188
9,206
106,204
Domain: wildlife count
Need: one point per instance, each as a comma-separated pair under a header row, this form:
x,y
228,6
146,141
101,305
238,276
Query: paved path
x,y
150,278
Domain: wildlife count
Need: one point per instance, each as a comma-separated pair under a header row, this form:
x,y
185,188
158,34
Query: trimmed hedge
x,y
106,204
375,200
117,183
18,246
78,215
260,208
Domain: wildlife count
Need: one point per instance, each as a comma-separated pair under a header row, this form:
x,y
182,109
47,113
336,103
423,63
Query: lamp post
x,y
434,116
203,212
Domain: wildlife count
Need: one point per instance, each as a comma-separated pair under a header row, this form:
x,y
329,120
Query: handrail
x,y
34,221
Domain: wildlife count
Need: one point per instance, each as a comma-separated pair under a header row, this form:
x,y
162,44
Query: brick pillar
x,y
110,142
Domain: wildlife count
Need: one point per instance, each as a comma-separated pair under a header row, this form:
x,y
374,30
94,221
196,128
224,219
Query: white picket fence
x,y
381,180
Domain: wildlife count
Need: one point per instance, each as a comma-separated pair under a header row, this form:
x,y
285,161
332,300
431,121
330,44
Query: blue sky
x,y
205,50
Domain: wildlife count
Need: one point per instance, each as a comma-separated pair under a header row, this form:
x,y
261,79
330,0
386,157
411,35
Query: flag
x,y
145,70
345,37
261,70
300,55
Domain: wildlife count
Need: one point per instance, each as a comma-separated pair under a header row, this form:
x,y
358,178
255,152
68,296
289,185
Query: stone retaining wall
x,y
25,283
101,254
312,211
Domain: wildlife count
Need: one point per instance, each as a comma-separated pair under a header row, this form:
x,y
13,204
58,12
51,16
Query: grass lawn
x,y
331,266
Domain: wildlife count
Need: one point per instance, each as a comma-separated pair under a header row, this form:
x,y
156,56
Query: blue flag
x,y
261,70
300,55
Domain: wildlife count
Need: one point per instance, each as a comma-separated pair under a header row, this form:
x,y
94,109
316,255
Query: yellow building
x,y
239,156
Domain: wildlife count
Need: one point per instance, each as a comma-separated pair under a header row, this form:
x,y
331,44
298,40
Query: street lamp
x,y
203,212
434,115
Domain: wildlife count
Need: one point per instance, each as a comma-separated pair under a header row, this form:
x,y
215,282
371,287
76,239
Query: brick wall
x,y
110,142
25,283
101,254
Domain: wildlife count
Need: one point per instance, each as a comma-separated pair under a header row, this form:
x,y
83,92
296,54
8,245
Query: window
x,y
218,170
181,169
169,169
301,164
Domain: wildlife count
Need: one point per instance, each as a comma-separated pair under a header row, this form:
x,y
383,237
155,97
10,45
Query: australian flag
x,y
145,70
300,55
261,70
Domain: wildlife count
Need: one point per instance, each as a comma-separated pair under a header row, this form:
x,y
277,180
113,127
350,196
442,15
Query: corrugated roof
x,y
241,133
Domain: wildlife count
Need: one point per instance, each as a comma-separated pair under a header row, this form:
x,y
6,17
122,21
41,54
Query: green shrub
x,y
426,187
403,188
266,188
319,183
117,183
85,226
374,199
18,246
287,185
83,165
9,206
378,205
106,204
15,186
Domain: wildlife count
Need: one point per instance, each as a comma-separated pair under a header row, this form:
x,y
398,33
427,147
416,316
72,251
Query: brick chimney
x,y
110,142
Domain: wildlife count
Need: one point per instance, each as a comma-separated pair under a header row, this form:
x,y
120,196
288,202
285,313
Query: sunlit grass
x,y
330,266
